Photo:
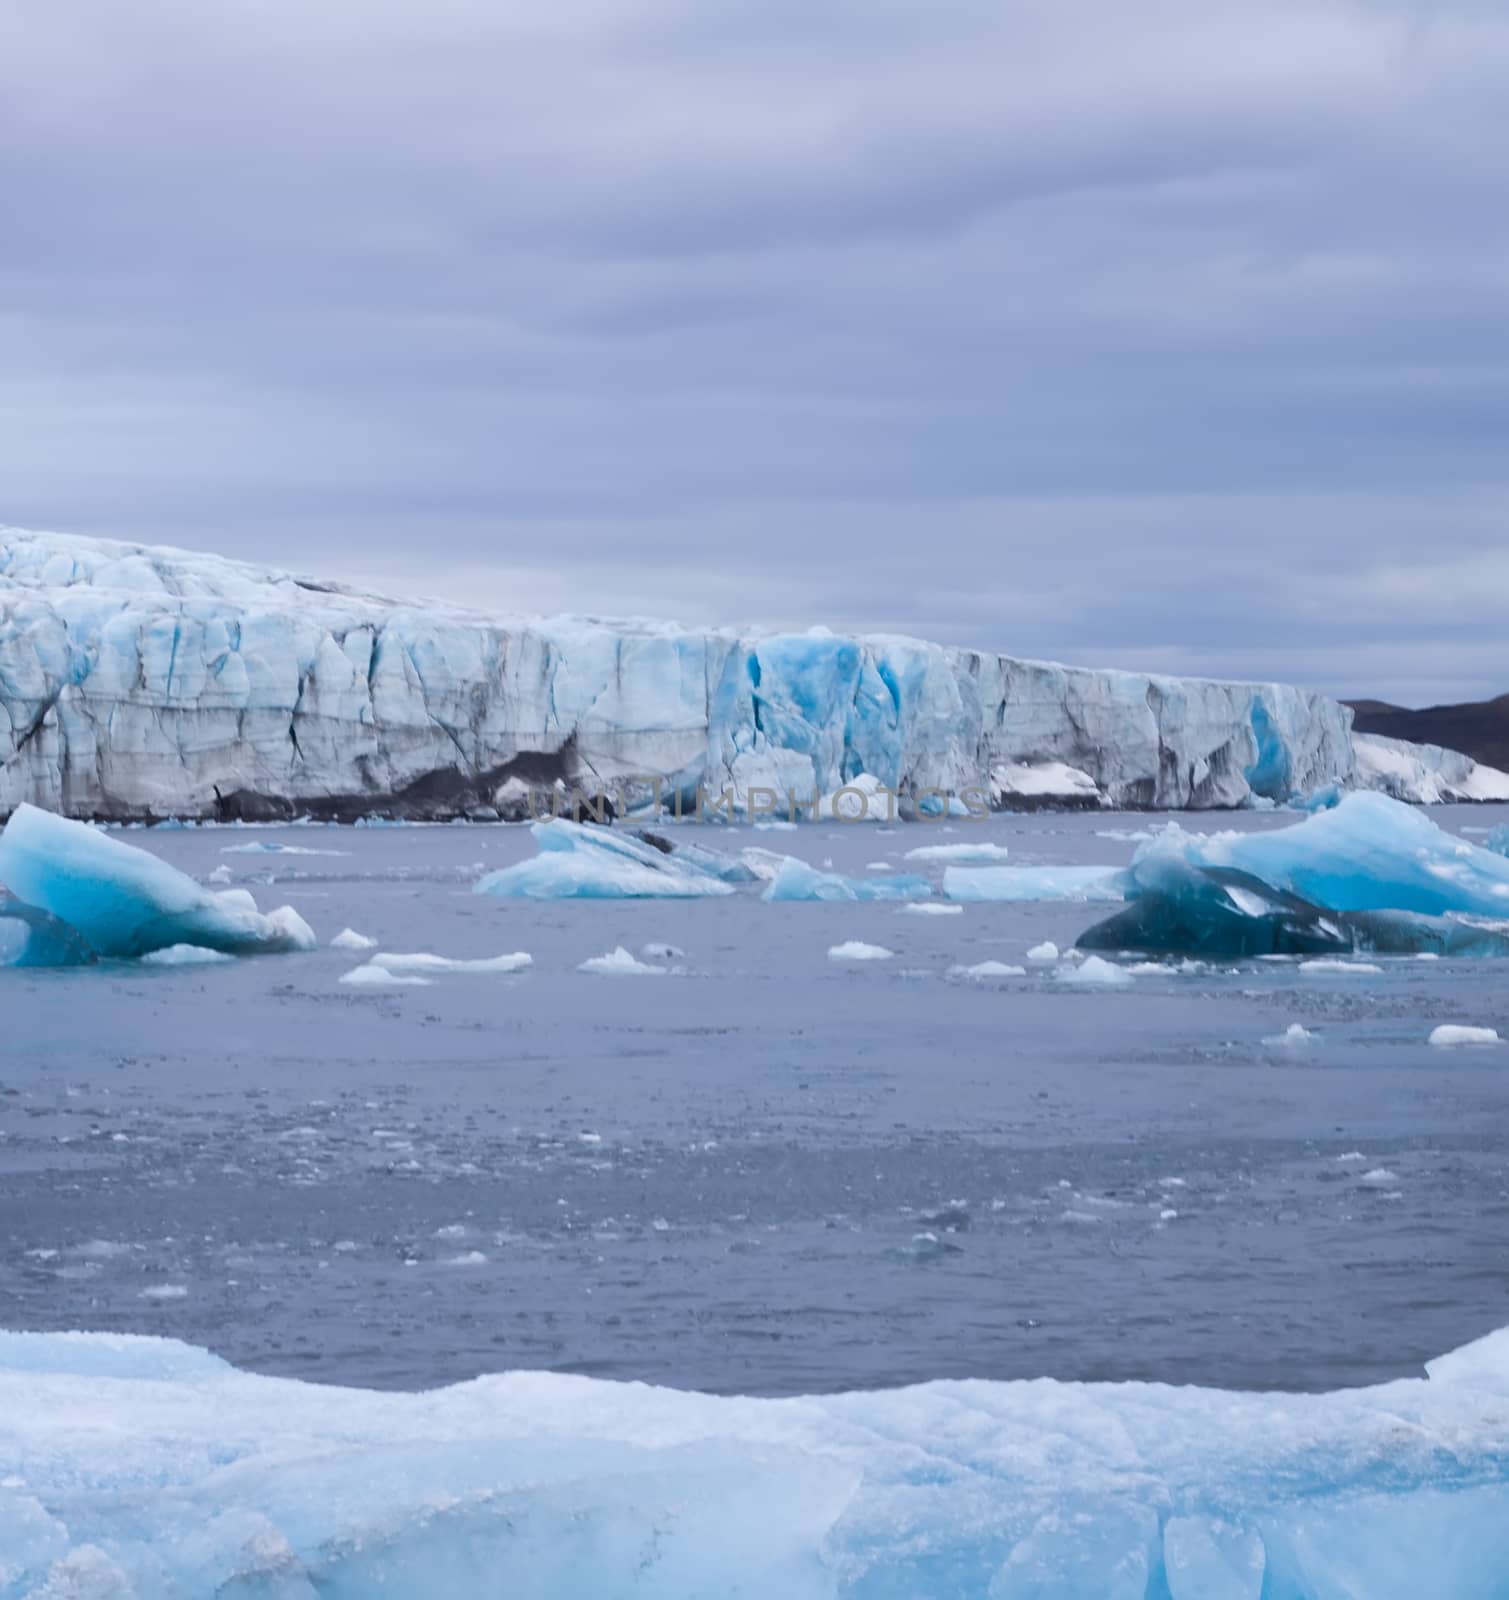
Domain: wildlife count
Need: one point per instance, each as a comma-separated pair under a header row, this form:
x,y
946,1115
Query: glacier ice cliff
x,y
141,682
138,1468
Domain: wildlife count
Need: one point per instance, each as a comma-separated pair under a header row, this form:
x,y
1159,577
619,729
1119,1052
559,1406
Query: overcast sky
x,y
1158,333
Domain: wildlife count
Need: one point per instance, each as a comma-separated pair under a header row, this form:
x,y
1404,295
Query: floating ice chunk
x,y
984,970
186,1470
1369,874
662,952
1324,964
467,1258
583,862
221,874
264,847
165,1291
796,880
1451,1034
185,955
1096,972
1033,883
1044,954
370,977
959,853
1295,1037
1379,1177
858,950
620,963
932,908
86,896
422,962
350,939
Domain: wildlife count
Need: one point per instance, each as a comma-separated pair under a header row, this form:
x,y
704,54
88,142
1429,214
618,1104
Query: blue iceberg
x,y
578,861
796,880
142,1468
82,896
1368,874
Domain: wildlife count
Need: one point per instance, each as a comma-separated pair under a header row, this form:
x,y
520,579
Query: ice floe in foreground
x,y
140,1468
85,896
1452,1034
1370,874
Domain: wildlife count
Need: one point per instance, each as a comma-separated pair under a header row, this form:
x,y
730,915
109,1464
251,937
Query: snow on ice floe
x,y
621,963
858,950
138,1468
1451,1034
85,896
1033,883
581,861
960,853
350,939
1369,875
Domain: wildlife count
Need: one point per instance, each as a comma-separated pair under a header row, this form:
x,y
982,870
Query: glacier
x,y
140,682
83,896
141,1468
1370,873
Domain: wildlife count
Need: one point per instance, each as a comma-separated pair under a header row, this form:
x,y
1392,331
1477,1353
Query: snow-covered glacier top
x,y
143,681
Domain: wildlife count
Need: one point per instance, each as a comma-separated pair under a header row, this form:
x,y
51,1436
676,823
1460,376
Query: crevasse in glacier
x,y
1369,873
83,896
139,1468
141,681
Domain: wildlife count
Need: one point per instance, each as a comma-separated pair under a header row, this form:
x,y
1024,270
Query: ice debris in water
x,y
371,977
185,955
350,939
1324,965
1369,874
1044,954
933,908
984,970
139,1467
1295,1037
960,853
620,963
425,964
1096,973
585,862
1033,883
858,950
1451,1034
266,848
86,897
796,880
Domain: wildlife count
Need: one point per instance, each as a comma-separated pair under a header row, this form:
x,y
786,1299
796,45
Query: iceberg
x,y
138,682
85,897
140,1468
1370,874
1424,774
796,880
1034,883
580,861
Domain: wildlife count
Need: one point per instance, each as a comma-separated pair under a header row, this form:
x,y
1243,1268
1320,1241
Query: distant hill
x,y
1479,728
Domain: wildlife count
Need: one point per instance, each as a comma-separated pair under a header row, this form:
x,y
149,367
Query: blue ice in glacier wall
x,y
143,1469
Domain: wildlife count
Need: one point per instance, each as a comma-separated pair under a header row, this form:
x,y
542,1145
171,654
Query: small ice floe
x,y
1095,972
467,1258
265,848
375,977
221,874
858,950
620,963
975,854
1044,954
350,939
662,952
185,955
165,1291
1294,1037
1452,1034
1378,1177
421,963
1325,964
1351,1157
932,908
983,971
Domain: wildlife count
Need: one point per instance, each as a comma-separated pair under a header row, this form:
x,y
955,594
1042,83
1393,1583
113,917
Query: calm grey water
x,y
767,1173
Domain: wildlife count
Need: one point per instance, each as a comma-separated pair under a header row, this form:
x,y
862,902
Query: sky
x,y
1168,334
